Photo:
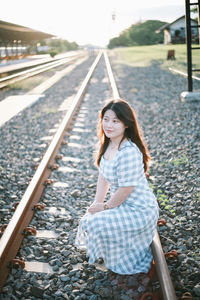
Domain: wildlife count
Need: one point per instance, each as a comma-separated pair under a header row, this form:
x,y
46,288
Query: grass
x,y
198,197
179,161
162,199
145,55
45,111
176,161
28,83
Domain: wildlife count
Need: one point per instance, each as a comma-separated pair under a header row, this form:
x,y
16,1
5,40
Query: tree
x,y
62,45
142,33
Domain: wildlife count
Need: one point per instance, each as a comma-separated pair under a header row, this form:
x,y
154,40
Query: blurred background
x,y
54,27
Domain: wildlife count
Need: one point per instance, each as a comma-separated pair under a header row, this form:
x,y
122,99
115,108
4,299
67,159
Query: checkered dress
x,y
122,235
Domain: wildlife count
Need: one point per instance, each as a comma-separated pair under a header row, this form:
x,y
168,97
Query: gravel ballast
x,y
25,138
171,129
172,132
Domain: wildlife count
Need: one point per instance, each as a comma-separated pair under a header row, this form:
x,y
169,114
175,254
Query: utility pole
x,y
190,95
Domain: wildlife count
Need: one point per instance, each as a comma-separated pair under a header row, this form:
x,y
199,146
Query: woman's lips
x,y
108,131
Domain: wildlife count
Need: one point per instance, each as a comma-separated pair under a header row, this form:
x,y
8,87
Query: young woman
x,y
121,229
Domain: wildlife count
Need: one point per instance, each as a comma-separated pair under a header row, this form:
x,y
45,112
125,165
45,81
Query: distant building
x,y
175,32
42,49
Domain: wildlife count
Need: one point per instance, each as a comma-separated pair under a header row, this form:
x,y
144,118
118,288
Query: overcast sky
x,y
88,21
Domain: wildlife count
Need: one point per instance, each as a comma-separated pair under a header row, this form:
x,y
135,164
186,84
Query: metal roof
x,y
167,26
10,32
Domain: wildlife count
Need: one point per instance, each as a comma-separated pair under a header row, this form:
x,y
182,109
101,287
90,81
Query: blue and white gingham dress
x,y
122,235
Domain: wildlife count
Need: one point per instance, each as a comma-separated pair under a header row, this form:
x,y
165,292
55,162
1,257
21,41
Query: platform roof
x,y
10,32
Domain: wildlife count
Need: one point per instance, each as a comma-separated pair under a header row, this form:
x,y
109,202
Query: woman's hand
x,y
96,207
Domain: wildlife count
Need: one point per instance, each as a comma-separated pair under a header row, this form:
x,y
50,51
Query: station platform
x,y
13,105
7,66
32,60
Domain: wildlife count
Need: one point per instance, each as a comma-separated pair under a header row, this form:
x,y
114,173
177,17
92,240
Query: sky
x,y
88,21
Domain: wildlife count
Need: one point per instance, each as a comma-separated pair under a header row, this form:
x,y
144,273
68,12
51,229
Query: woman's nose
x,y
109,124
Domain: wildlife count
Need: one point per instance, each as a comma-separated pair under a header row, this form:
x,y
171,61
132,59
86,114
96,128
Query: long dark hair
x,y
126,114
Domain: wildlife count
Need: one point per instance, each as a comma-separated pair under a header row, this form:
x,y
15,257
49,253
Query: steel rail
x,y
32,71
113,85
162,270
13,235
183,74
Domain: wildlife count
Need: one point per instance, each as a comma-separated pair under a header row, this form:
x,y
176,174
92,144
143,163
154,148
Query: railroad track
x,y
18,227
35,69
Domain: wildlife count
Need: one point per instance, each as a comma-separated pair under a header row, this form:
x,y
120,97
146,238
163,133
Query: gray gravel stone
x,y
172,132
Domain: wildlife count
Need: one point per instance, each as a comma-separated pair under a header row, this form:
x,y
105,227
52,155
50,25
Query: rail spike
x,y
171,254
58,156
30,231
48,182
64,142
17,262
161,222
3,228
39,206
15,205
36,166
186,296
149,296
53,167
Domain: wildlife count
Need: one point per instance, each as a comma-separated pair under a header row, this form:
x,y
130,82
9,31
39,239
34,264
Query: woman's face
x,y
112,126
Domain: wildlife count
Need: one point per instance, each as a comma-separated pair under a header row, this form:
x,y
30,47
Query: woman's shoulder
x,y
129,147
129,155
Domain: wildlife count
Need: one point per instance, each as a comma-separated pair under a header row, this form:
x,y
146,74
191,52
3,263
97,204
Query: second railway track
x,y
65,202
34,68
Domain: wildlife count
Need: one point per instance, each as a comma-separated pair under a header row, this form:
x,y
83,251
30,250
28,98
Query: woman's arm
x,y
102,189
119,196
117,199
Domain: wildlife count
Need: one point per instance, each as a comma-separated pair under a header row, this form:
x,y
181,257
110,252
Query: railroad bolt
x,y
16,263
58,156
48,181
53,166
39,206
3,228
186,296
36,166
15,205
64,142
161,222
149,296
30,231
171,254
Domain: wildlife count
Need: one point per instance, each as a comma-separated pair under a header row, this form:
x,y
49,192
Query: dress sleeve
x,y
130,167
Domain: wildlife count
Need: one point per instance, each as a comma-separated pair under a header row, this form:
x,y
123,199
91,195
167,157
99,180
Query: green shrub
x,y
53,53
